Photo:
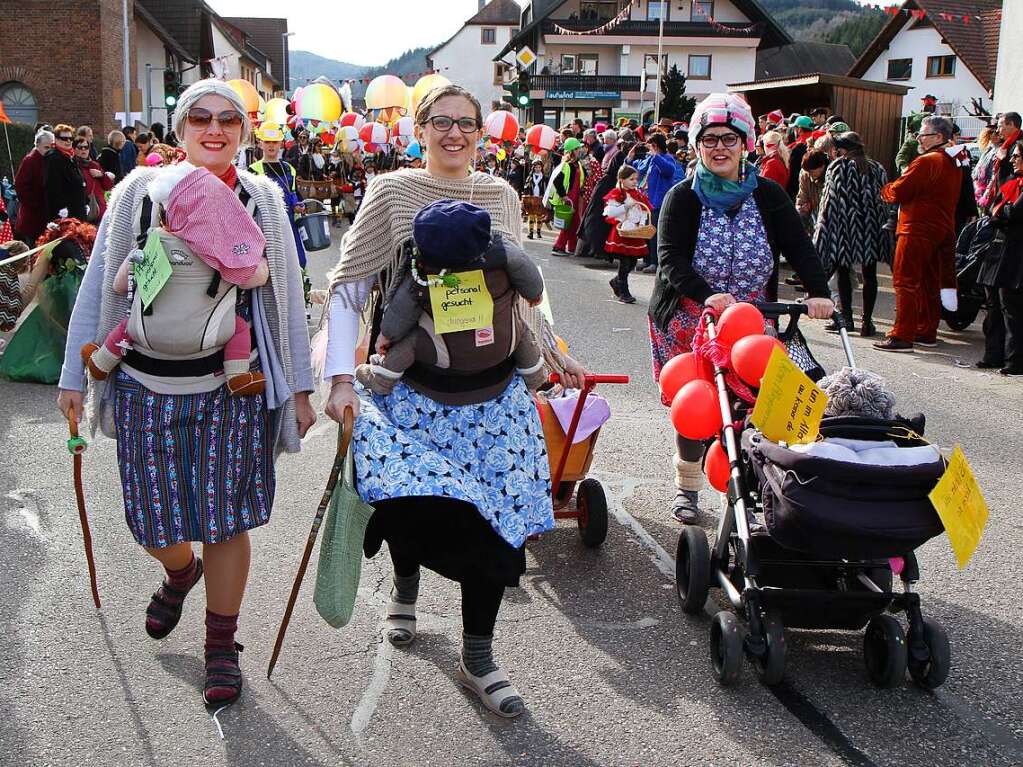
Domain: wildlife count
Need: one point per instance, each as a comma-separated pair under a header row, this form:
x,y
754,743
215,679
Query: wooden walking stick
x,y
76,446
344,439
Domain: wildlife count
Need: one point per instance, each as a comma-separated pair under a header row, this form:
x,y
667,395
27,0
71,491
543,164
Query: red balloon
x,y
680,370
750,356
695,411
715,466
738,321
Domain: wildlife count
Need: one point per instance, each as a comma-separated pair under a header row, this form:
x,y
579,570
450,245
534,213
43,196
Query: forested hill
x,y
828,21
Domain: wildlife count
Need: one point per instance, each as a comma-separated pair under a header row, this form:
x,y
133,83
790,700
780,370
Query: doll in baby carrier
x,y
215,249
459,367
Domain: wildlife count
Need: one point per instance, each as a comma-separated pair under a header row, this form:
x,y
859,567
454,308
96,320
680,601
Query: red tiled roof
x,y
974,41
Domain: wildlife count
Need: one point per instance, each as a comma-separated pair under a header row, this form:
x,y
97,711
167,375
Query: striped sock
x,y
478,657
406,588
401,612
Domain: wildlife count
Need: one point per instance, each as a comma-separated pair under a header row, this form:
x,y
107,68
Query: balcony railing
x,y
671,28
584,83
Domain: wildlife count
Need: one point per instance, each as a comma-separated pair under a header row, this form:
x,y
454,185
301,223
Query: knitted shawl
x,y
124,210
372,245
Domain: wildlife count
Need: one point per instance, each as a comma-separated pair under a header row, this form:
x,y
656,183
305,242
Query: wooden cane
x,y
344,439
76,446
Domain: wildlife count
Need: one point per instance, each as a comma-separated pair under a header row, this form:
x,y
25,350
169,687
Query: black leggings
x,y
481,599
625,265
844,274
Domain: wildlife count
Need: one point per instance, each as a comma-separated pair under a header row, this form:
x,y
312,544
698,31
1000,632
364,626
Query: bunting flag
x,y
959,18
604,28
367,80
750,29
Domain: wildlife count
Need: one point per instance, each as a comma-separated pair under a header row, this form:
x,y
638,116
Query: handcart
x,y
775,581
570,462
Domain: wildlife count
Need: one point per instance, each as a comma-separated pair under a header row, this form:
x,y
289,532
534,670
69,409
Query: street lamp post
x,y
286,74
660,73
149,90
126,60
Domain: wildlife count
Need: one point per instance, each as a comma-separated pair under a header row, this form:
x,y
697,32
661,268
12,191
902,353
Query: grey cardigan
x,y
278,318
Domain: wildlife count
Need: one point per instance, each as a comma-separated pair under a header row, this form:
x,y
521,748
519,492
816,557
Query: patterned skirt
x,y
491,456
194,467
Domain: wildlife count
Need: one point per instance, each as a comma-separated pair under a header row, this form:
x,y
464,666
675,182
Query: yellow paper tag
x,y
469,306
961,506
789,406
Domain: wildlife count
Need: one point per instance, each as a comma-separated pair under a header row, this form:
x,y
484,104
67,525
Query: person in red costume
x,y
928,193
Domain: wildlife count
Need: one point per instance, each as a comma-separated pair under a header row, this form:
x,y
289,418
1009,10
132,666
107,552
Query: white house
x,y
467,58
929,48
592,53
1008,82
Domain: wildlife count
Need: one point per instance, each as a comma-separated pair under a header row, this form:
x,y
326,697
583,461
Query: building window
x,y
19,103
598,10
551,118
900,69
699,67
654,9
702,10
568,63
941,66
587,63
499,69
650,64
488,35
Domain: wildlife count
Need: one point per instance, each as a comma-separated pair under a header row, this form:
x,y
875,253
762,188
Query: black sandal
x,y
167,613
223,671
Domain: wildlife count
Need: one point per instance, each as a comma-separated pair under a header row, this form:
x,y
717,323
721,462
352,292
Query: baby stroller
x,y
811,543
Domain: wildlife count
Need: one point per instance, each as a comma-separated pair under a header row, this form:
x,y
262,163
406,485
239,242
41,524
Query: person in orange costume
x,y
928,193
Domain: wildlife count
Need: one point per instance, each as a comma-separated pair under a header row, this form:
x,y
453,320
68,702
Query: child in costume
x,y
532,199
214,248
626,209
459,367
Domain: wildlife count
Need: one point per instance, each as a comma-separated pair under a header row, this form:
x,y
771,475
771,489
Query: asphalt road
x,y
612,672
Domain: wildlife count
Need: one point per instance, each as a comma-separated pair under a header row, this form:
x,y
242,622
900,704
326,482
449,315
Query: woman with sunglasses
x,y
720,235
65,184
97,181
456,488
196,463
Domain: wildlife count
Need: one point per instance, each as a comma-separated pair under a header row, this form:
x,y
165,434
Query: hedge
x,y
22,138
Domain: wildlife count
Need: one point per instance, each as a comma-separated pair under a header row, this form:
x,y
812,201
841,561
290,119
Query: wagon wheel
x,y
726,647
771,668
884,651
692,569
592,506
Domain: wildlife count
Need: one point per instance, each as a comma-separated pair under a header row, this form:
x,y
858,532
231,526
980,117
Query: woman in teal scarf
x,y
720,236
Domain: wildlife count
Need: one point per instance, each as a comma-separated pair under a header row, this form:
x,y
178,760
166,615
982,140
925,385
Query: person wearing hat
x,y
533,189
271,141
566,189
658,171
819,116
448,237
775,118
930,103
701,266
178,410
803,127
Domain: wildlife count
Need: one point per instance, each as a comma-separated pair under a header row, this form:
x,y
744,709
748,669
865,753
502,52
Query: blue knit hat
x,y
451,234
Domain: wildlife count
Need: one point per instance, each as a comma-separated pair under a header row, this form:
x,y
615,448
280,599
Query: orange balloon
x,y
750,356
680,370
715,466
695,412
738,321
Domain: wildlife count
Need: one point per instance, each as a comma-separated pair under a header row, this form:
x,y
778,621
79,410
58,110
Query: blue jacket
x,y
659,171
129,156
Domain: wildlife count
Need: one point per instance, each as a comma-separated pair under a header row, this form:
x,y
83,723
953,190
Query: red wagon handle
x,y
590,380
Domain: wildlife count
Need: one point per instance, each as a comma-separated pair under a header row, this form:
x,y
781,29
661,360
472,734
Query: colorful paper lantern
x,y
248,93
374,133
423,86
541,137
501,126
275,111
320,102
402,132
347,139
386,92
354,120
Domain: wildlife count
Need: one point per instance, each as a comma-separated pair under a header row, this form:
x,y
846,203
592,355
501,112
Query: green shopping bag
x,y
340,564
36,351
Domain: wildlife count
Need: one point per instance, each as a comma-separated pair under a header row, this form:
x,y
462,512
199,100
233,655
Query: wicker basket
x,y
640,232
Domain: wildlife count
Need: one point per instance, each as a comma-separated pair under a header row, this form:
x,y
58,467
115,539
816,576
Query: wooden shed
x,y
872,109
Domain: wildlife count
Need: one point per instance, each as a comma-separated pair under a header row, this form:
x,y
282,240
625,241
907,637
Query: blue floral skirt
x,y
194,467
489,457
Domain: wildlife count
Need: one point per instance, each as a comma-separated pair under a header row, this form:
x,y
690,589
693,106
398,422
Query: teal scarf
x,y
720,194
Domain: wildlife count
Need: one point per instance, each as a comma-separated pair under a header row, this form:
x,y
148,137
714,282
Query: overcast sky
x,y
367,32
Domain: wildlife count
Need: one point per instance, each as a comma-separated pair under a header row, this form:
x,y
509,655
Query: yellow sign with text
x,y
789,406
961,506
465,306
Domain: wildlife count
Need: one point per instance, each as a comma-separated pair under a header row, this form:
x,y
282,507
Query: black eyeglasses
x,y
81,146
63,138
727,140
443,123
201,118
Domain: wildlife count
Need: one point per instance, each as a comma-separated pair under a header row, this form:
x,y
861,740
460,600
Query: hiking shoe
x,y
930,343
686,507
892,344
867,329
626,298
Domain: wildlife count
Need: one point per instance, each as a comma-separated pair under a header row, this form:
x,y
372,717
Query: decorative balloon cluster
x,y
687,381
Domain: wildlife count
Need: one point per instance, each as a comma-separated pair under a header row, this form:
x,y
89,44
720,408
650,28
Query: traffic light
x,y
523,96
513,95
171,88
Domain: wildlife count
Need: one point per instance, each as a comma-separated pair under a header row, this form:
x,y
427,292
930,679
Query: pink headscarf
x,y
204,212
726,109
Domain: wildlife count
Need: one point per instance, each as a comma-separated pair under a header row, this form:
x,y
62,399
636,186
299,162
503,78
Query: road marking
x,y
375,690
662,560
27,510
213,716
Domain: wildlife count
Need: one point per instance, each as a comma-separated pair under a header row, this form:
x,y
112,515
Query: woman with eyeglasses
x,y
456,488
197,463
65,184
97,181
720,235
